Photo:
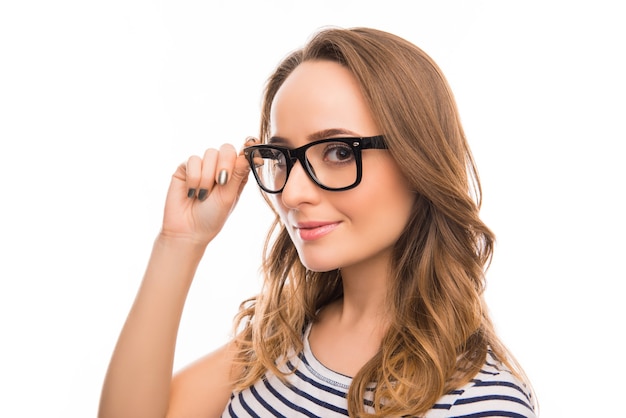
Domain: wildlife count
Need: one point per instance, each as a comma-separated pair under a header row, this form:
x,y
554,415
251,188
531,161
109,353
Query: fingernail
x,y
250,140
202,194
191,193
222,177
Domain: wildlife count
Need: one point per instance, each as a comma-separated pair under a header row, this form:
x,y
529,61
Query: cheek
x,y
385,206
389,203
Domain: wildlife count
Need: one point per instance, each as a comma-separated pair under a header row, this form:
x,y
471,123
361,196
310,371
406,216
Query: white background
x,y
100,101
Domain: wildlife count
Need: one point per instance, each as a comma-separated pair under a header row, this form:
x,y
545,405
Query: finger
x,y
207,178
225,164
242,170
242,167
249,142
193,173
239,176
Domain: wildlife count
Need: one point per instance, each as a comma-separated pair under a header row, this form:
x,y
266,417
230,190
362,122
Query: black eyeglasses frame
x,y
299,154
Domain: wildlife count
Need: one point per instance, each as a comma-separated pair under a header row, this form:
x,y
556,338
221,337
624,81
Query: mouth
x,y
310,231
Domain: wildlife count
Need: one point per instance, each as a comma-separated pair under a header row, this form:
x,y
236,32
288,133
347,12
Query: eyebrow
x,y
316,136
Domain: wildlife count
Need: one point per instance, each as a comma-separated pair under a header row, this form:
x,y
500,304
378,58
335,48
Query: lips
x,y
310,231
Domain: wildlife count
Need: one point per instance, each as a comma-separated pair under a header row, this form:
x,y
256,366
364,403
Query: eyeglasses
x,y
333,164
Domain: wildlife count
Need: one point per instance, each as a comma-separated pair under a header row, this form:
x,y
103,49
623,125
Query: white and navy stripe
x,y
316,391
494,392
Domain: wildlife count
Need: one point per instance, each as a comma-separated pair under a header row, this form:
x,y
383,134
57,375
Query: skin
x,y
321,98
139,379
318,99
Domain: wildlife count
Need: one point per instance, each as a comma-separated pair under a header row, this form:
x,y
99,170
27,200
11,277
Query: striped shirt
x,y
316,391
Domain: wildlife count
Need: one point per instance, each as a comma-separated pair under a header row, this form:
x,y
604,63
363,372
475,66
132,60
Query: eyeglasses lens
x,y
331,164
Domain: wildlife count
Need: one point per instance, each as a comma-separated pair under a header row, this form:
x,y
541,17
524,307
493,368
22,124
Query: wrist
x,y
180,243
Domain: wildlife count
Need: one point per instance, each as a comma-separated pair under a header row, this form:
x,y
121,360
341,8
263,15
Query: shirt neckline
x,y
318,369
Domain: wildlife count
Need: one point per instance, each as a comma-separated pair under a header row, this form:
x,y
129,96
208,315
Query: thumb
x,y
239,177
241,168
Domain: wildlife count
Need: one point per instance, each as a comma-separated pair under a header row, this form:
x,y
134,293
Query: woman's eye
x,y
337,153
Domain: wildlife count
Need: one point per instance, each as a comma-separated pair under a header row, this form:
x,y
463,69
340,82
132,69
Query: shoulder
x,y
493,392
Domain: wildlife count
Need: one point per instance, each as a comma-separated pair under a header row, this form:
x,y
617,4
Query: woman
x,y
372,303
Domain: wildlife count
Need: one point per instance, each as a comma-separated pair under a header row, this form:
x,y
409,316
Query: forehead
x,y
320,95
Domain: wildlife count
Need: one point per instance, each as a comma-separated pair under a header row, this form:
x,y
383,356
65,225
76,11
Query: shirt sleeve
x,y
494,392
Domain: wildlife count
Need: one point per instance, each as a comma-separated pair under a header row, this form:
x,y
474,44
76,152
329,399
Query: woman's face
x,y
336,229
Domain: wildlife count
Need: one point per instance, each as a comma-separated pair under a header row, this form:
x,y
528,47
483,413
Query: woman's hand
x,y
203,192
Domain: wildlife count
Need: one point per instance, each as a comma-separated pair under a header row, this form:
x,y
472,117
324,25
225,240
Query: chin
x,y
319,267
319,264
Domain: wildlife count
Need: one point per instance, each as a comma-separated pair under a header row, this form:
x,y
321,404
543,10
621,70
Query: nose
x,y
299,188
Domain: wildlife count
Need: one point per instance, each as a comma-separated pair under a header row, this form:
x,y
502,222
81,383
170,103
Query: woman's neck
x,y
365,289
350,330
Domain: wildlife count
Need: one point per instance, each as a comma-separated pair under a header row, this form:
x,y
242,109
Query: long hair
x,y
440,330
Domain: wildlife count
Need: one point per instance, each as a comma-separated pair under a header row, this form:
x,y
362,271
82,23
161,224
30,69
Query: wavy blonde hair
x,y
440,330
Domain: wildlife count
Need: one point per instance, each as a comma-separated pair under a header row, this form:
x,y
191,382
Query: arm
x,y
209,378
139,379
